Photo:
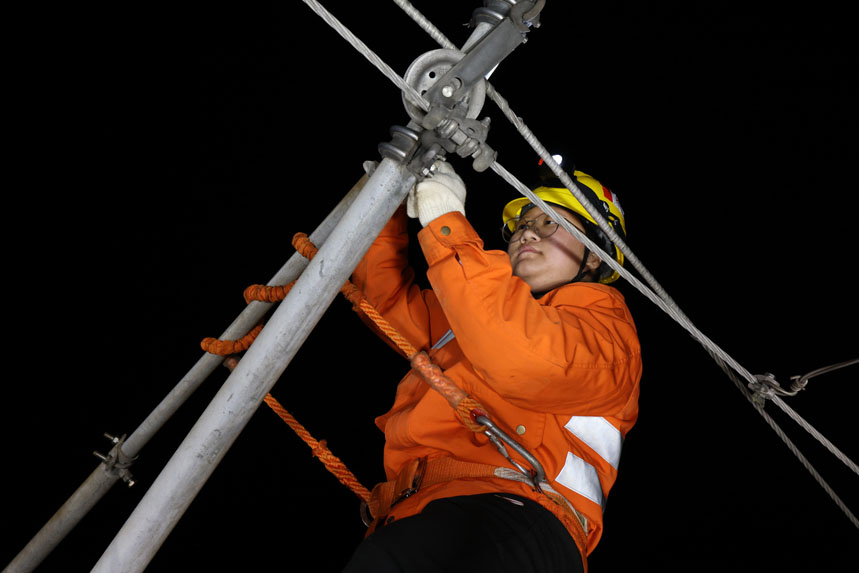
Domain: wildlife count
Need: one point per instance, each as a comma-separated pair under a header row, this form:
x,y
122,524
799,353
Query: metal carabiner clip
x,y
496,435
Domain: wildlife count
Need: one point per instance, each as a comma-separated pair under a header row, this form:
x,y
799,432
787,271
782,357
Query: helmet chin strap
x,y
581,272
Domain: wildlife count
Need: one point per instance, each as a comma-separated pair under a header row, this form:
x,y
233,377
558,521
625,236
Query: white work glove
x,y
442,192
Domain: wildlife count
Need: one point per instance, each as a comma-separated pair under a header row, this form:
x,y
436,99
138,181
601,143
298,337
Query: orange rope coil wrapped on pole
x,y
265,293
225,347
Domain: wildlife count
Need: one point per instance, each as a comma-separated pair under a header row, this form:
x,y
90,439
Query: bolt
x,y
450,89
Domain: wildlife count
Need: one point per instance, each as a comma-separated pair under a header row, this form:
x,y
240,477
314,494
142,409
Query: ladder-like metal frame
x,y
343,239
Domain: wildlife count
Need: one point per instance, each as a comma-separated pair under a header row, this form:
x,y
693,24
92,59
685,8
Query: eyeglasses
x,y
542,226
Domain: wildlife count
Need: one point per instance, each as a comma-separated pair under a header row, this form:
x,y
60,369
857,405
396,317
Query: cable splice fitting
x,y
763,388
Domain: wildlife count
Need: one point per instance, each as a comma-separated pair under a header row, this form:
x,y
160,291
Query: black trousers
x,y
487,532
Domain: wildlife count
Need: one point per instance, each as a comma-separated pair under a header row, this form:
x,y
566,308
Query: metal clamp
x,y
453,82
765,386
451,123
485,54
417,479
116,461
464,136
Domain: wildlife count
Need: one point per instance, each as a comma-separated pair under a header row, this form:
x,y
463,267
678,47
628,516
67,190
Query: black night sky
x,y
203,138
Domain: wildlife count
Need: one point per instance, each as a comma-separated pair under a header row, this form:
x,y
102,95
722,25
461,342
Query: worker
x,y
538,338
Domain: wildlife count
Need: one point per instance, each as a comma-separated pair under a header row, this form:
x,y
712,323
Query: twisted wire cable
x,y
655,292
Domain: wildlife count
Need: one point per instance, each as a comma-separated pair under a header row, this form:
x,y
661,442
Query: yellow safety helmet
x,y
599,195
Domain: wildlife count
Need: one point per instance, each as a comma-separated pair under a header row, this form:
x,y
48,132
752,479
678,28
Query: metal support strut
x,y
101,480
229,411
346,236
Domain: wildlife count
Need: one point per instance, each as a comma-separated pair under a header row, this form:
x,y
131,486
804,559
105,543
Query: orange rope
x,y
463,404
432,374
267,293
225,347
320,450
460,401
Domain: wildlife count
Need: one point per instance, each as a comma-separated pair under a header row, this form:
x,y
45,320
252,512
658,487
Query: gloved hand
x,y
442,192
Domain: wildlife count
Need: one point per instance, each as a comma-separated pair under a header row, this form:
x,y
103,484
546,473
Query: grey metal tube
x,y
101,480
229,411
64,520
246,320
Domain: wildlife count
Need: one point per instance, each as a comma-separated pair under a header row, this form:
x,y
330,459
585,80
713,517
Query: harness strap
x,y
421,473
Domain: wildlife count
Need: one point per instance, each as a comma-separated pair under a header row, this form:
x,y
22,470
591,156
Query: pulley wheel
x,y
430,67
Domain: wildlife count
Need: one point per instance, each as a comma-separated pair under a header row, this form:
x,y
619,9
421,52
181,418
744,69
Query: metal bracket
x,y
485,55
408,147
116,462
424,74
452,128
453,83
403,144
465,137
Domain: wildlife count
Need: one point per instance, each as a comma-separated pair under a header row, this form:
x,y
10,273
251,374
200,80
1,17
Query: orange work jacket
x,y
559,373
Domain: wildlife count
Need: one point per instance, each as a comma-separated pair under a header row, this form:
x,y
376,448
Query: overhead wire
x,y
664,301
654,292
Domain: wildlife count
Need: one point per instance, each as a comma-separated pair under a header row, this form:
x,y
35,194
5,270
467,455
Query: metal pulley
x,y
428,69
453,82
453,124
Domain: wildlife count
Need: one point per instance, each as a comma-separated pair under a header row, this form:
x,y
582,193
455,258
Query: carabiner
x,y
496,435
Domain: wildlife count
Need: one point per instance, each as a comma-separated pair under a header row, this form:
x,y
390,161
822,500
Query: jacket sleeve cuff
x,y
442,235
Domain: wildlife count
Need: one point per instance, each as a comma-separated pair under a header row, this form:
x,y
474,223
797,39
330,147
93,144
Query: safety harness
x,y
424,472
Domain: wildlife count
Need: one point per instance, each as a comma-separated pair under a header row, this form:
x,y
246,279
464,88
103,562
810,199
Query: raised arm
x,y
387,281
573,351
